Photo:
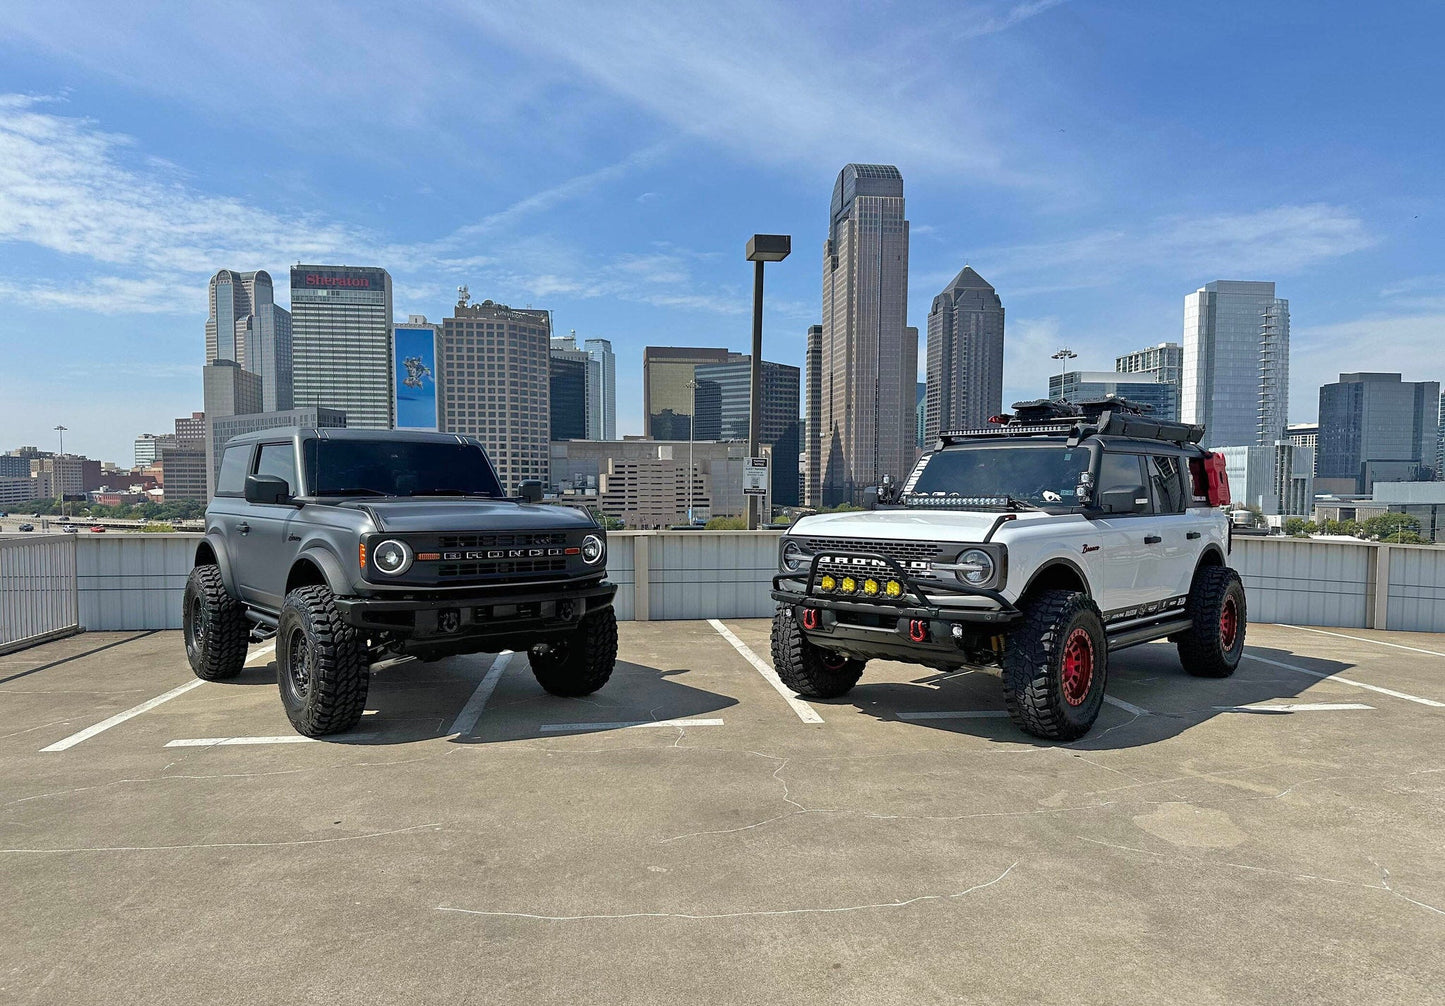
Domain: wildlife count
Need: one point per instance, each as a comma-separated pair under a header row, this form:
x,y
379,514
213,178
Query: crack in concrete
x,y
230,845
770,912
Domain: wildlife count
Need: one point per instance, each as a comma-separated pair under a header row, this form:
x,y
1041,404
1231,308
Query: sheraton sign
x,y
322,279
313,278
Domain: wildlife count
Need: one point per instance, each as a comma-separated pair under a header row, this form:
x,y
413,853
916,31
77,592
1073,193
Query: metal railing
x,y
39,593
51,585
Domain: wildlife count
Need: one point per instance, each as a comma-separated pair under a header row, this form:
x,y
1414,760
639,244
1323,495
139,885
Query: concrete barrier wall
x,y
134,581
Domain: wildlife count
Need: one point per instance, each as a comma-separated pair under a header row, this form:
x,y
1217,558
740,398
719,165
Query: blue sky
x,y
1095,161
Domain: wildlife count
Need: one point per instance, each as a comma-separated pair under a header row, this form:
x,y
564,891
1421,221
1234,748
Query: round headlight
x,y
793,556
391,557
592,550
977,566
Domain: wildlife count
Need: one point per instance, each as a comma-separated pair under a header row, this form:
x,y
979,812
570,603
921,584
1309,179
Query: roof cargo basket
x,y
1116,417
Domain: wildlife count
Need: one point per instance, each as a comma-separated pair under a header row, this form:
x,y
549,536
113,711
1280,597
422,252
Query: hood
x,y
441,514
913,525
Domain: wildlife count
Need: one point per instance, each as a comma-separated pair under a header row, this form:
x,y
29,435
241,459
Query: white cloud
x,y
1409,344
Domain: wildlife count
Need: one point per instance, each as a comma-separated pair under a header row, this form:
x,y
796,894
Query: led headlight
x,y
870,587
592,550
975,566
793,556
391,557
848,585
827,582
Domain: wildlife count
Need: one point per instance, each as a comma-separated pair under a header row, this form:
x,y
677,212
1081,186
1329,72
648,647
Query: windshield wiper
x,y
356,491
1017,503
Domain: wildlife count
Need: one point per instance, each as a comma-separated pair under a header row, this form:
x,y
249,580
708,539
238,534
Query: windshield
x,y
397,468
1044,476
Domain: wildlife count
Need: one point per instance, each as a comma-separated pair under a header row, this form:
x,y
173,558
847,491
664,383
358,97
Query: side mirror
x,y
267,489
1128,499
530,491
870,498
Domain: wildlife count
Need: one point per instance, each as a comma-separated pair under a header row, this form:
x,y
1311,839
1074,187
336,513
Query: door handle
x,y
1152,539
1192,535
243,527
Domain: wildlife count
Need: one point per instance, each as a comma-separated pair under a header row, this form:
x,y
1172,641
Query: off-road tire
x,y
809,670
218,650
582,663
1040,698
323,686
1216,606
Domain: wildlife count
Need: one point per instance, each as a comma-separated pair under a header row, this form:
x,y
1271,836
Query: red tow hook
x,y
810,618
917,630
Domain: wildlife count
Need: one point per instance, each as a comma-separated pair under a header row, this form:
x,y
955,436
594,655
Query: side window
x,y
279,460
1121,471
231,481
1167,483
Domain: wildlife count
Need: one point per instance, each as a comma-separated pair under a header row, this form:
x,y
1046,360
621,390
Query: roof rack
x,y
1116,417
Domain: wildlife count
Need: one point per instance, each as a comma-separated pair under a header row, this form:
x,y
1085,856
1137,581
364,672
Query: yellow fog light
x,y
827,583
893,589
870,587
849,585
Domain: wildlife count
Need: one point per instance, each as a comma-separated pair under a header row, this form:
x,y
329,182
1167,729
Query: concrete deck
x,y
1181,852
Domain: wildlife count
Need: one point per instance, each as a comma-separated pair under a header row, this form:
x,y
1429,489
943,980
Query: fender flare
x,y
217,544
325,560
1204,554
1058,560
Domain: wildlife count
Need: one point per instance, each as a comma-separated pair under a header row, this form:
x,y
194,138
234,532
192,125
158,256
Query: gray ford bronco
x,y
351,545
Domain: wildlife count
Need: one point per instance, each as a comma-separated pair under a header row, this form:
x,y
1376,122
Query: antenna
x,y
464,294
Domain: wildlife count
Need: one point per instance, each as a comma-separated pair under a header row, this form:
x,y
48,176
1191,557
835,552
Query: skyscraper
x,y
569,370
1165,362
1376,428
1091,385
493,378
1236,363
666,397
245,325
869,364
965,355
341,341
723,405
812,488
227,390
601,390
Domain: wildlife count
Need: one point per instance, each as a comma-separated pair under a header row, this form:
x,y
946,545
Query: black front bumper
x,y
502,616
912,627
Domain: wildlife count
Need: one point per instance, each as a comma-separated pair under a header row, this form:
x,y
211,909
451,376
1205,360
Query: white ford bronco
x,y
1041,544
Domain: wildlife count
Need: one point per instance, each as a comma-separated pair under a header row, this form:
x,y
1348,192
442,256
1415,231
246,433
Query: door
x,y
1180,534
269,542
228,509
1121,564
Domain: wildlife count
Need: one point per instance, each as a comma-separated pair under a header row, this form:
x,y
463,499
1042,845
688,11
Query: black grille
x,y
905,552
509,567
523,539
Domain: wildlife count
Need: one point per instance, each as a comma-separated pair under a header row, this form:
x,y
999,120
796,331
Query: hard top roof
x,y
275,433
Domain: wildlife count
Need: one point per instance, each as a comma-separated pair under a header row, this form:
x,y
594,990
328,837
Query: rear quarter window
x,y
235,462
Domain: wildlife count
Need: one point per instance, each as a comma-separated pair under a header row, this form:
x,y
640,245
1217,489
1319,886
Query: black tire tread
x,y
1199,649
585,662
227,634
341,676
1028,659
800,664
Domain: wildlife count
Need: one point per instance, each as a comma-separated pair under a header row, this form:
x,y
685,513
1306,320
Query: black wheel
x,y
1212,648
1056,665
321,665
215,626
582,663
810,670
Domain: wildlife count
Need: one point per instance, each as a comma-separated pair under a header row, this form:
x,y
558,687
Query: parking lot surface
x,y
690,834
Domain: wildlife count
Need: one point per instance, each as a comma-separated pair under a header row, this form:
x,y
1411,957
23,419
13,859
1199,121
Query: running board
x,y
1148,633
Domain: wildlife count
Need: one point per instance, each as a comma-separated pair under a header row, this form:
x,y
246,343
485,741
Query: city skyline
x,y
632,176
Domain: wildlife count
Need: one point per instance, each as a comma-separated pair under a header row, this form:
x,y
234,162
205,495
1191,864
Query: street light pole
x,y
1064,355
55,471
761,248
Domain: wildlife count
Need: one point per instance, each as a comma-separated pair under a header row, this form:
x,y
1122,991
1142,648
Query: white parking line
x,y
466,720
805,712
146,706
1347,681
557,728
1292,707
221,742
955,714
1364,639
1128,707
